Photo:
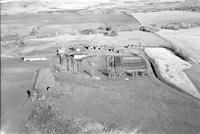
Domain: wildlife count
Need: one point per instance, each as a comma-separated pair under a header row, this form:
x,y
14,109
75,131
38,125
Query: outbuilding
x,y
33,58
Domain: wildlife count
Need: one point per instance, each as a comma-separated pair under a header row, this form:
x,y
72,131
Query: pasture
x,y
22,24
185,41
166,17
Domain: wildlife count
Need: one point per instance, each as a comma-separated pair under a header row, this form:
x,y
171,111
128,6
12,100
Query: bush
x,y
110,33
154,25
34,31
172,26
108,28
87,31
12,41
177,26
100,29
184,26
148,29
12,44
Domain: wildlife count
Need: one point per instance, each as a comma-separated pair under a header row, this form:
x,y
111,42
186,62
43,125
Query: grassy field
x,y
115,106
22,24
135,38
130,38
80,103
184,41
193,73
166,17
16,78
94,6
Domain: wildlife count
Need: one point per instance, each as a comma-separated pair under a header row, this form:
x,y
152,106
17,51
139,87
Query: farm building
x,y
33,58
115,65
118,66
71,61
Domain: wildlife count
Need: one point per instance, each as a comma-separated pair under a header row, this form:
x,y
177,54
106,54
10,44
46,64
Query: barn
x,y
119,66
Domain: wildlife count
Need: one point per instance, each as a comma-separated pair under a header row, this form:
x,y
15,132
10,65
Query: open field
x,y
16,78
95,6
171,69
66,18
116,88
103,106
166,17
185,41
117,105
135,38
193,73
35,6
60,23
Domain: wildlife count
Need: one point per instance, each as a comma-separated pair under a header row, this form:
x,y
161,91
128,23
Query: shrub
x,y
34,31
184,26
154,25
176,27
12,41
87,31
110,33
148,29
108,28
